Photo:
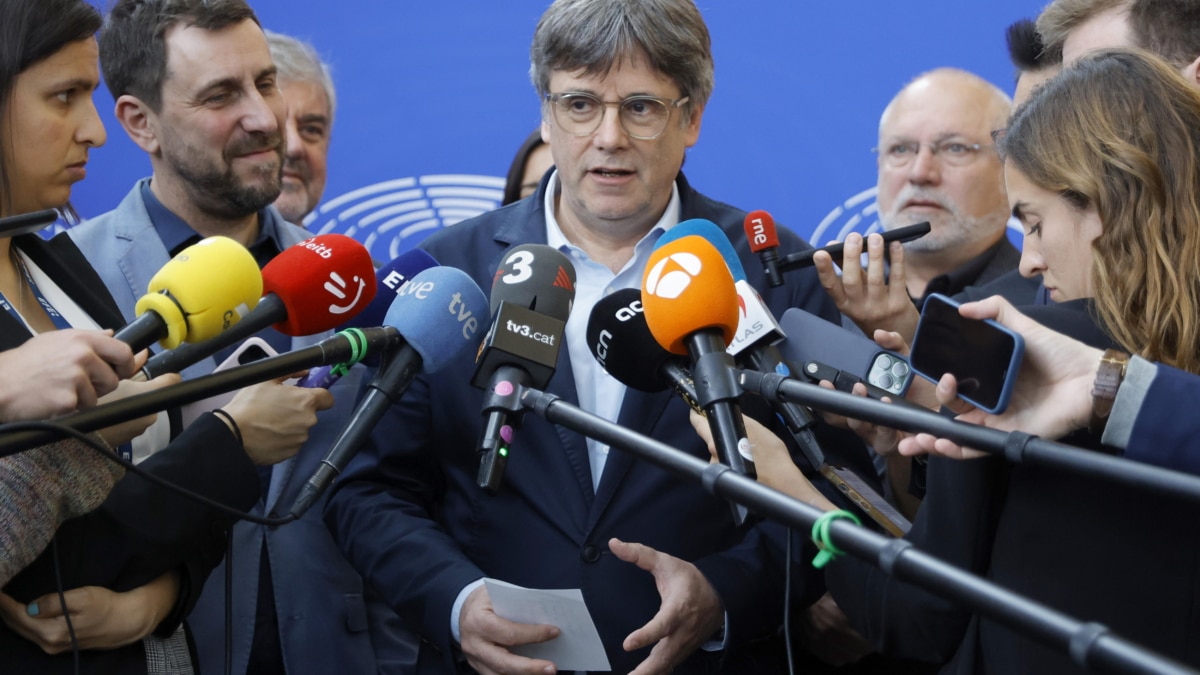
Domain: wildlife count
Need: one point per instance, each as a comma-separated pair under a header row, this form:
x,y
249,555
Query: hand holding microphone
x,y
71,367
124,432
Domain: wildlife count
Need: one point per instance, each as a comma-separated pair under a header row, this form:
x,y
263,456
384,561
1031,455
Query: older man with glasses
x,y
671,582
937,163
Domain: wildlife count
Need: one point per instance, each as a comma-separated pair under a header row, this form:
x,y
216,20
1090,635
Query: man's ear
x,y
139,121
1191,72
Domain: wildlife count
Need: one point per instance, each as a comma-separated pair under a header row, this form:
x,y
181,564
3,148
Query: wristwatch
x,y
1109,376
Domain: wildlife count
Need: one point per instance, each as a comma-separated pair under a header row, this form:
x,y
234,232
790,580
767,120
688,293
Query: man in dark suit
x,y
623,88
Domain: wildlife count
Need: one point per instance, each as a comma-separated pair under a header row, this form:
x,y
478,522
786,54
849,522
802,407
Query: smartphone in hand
x,y
983,355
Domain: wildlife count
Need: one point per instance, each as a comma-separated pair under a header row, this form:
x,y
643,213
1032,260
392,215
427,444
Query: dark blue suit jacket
x,y
1059,537
1166,426
408,515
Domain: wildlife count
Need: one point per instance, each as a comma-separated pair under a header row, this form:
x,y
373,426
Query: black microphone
x,y
621,341
438,313
532,294
25,223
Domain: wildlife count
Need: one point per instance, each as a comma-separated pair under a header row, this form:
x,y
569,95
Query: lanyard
x,y
59,322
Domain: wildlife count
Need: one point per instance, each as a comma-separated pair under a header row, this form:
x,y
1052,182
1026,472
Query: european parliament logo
x,y
392,217
859,213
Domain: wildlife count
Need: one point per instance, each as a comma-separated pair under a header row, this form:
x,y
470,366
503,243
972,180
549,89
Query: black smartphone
x,y
795,261
983,355
811,338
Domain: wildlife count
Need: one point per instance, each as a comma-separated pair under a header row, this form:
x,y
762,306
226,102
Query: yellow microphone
x,y
205,289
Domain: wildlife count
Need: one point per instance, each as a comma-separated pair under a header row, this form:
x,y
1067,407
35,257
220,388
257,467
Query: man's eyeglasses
x,y
953,153
642,117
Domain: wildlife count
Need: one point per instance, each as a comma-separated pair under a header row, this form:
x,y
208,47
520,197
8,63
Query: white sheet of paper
x,y
577,646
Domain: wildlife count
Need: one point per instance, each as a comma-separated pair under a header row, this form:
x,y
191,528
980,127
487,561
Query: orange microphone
x,y
691,307
687,288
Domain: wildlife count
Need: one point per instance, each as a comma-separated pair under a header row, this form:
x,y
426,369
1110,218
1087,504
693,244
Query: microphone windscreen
x,y
439,312
203,290
621,341
760,231
687,287
537,277
715,235
388,280
322,281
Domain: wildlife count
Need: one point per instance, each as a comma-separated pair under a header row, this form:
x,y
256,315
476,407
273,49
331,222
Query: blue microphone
x,y
388,281
438,313
714,235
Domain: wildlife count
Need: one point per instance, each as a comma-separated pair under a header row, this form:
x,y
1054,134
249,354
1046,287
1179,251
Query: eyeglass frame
x,y
671,106
935,148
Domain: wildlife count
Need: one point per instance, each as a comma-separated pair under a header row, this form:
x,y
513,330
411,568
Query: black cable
x,y
229,602
62,601
787,603
129,466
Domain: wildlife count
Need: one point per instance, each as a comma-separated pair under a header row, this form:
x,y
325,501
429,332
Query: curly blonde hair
x,y
1120,131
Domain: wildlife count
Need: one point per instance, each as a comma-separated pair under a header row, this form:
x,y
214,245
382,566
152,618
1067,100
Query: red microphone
x,y
320,282
311,287
760,232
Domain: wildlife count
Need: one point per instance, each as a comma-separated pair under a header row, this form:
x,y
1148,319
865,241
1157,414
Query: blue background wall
x,y
442,89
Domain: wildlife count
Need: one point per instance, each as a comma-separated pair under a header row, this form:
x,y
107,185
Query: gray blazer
x,y
316,591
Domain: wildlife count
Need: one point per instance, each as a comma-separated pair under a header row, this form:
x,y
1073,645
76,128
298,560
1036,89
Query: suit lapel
x,y
61,259
573,444
640,412
527,224
63,262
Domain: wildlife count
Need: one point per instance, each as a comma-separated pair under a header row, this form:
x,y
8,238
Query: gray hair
x,y
593,35
298,61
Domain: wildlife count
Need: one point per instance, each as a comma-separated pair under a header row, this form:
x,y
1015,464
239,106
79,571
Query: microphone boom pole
x,y
1015,446
337,349
1090,645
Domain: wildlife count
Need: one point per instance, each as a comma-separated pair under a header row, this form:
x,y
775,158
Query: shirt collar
x,y
556,238
177,235
954,281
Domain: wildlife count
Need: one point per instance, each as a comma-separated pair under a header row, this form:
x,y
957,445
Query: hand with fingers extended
x,y
876,299
71,368
690,614
101,618
485,638
273,418
1052,394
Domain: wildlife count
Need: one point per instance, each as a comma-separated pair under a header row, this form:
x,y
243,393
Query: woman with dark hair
x,y
137,563
64,479
531,163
